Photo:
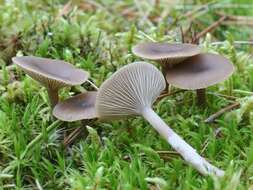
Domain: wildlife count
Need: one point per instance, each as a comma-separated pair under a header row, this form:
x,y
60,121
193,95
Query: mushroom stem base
x,y
53,96
201,97
189,154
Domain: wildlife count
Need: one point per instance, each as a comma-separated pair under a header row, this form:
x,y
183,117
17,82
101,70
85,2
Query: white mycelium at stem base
x,y
131,91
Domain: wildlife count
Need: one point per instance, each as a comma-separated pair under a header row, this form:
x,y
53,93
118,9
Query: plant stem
x,y
201,96
214,116
77,133
169,94
164,70
53,96
93,85
189,154
39,138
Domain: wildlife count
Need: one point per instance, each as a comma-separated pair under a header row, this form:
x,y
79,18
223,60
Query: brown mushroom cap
x,y
51,73
79,107
167,53
199,72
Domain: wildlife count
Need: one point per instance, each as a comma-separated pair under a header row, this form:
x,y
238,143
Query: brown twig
x,y
167,152
206,143
203,8
246,23
129,13
236,17
76,133
65,10
84,6
170,94
214,116
233,98
166,155
72,136
217,6
234,42
88,6
209,28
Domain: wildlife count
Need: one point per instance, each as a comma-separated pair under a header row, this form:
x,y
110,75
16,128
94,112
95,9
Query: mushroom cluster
x,y
133,89
54,75
185,67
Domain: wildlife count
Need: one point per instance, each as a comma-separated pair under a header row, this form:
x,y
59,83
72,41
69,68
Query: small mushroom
x,y
79,107
131,91
167,54
199,72
53,74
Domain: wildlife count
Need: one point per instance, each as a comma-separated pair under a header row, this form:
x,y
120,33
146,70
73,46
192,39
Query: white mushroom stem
x,y
189,154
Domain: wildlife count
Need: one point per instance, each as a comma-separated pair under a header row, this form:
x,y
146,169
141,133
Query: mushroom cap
x,y
129,90
166,53
51,73
79,107
199,72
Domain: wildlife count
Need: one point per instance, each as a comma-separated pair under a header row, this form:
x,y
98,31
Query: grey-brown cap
x,y
79,107
200,71
51,73
129,90
166,53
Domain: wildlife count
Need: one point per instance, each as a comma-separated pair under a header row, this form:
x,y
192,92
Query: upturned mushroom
x,y
199,72
131,91
53,74
79,107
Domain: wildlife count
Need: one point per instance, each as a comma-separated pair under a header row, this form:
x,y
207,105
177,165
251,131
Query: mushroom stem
x,y
201,96
164,69
53,96
189,154
165,66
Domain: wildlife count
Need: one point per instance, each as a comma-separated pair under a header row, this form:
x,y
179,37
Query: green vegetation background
x,y
128,154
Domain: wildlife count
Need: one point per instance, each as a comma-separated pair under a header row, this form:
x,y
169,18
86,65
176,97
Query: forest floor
x,y
127,154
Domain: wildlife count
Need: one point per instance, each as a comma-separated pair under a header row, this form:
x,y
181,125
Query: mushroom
x,y
199,72
131,91
53,74
79,107
167,54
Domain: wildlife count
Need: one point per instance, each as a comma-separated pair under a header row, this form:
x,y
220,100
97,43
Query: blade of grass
x,y
35,141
